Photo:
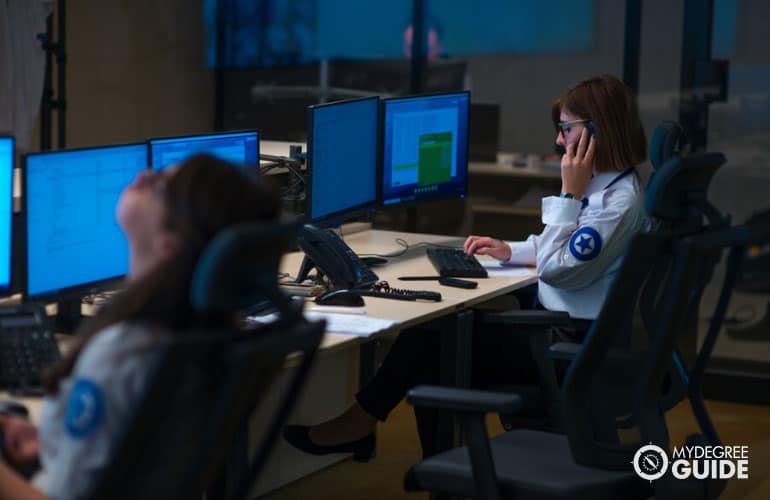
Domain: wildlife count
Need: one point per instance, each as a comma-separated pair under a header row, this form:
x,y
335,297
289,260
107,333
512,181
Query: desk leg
x,y
366,364
456,345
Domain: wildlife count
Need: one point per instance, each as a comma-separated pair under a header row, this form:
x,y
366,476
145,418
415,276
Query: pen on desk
x,y
333,309
418,278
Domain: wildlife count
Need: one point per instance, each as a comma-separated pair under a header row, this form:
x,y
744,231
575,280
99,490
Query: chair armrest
x,y
524,317
564,350
463,400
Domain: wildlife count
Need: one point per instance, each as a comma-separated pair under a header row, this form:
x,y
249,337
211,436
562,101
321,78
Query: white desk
x,y
415,263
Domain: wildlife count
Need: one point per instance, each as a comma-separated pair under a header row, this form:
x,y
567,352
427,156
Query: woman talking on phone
x,y
587,228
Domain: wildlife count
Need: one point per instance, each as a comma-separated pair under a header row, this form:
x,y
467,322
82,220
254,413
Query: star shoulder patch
x,y
585,244
85,409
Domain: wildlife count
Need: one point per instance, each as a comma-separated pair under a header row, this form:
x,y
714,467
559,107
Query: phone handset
x,y
328,253
591,129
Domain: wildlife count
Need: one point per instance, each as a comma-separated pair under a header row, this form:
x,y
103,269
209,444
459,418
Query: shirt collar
x,y
600,181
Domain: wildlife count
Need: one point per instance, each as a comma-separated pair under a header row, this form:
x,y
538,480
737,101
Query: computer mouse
x,y
13,408
345,298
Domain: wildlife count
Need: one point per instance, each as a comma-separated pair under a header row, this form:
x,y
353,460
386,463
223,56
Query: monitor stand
x,y
68,316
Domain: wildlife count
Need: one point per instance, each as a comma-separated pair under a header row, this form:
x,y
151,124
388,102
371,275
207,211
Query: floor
x,y
398,449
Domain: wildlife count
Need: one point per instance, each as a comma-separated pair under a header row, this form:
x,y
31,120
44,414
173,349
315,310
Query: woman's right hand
x,y
20,443
577,165
484,245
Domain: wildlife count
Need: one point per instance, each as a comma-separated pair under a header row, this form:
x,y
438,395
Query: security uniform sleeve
x,y
579,243
104,389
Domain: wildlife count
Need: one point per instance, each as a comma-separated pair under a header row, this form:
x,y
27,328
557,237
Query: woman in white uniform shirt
x,y
587,228
168,219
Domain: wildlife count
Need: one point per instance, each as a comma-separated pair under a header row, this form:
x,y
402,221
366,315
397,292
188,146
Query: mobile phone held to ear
x,y
591,129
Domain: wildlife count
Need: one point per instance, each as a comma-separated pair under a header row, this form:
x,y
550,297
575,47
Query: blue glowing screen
x,y
6,209
241,148
73,238
425,148
342,156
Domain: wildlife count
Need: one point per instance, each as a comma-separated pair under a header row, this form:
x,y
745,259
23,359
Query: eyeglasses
x,y
565,127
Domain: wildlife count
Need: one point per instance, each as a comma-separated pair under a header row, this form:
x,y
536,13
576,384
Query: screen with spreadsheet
x,y
241,148
72,236
425,148
6,209
342,158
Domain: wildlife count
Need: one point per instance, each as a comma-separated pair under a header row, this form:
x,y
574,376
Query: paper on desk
x,y
346,324
494,268
351,324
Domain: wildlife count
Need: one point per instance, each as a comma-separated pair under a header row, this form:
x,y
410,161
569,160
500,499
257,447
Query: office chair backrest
x,y
206,383
668,140
201,392
678,192
603,383
599,385
239,269
677,200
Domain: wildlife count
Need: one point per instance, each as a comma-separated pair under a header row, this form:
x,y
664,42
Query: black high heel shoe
x,y
299,437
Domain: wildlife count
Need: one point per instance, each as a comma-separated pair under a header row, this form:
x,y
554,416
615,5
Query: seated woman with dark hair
x,y
168,218
579,252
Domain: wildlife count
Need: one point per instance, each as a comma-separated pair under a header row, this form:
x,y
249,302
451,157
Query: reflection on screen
x,y
241,148
6,209
425,149
342,157
72,236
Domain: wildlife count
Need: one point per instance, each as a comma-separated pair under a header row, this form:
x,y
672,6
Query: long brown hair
x,y
612,107
203,197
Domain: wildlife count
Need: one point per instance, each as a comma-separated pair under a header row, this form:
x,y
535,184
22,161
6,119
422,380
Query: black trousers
x,y
498,358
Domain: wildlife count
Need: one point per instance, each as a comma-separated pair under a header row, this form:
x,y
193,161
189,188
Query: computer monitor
x,y
424,148
6,210
341,179
241,148
73,242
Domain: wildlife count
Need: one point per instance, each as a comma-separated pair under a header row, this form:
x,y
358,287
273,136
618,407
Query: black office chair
x,y
604,382
668,140
205,385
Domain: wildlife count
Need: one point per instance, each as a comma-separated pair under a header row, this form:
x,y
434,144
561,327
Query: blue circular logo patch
x,y
85,409
585,244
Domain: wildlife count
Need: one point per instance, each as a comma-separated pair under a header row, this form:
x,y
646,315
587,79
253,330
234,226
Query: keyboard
x,y
27,346
383,290
454,262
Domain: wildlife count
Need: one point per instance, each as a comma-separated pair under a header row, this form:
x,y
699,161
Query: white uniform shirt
x,y
579,252
79,427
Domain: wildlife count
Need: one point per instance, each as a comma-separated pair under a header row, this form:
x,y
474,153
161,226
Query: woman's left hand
x,y
577,165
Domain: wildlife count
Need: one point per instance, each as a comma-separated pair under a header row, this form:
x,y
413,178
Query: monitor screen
x,y
241,148
6,209
72,237
425,148
342,158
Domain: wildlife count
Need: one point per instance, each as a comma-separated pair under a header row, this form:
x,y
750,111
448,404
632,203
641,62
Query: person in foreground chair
x,y
578,254
168,217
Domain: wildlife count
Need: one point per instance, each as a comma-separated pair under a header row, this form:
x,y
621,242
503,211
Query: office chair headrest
x,y
668,140
679,189
239,269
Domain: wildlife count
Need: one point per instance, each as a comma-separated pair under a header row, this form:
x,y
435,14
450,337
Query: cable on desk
x,y
406,247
